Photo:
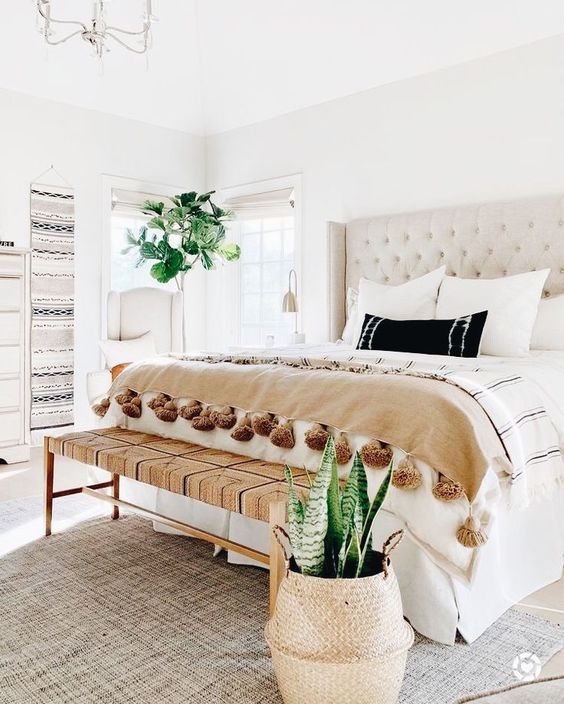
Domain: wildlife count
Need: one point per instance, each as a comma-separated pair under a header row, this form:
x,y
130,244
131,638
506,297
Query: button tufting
x,y
546,247
453,233
367,242
442,255
531,224
408,276
490,251
547,294
387,278
377,260
560,223
518,248
419,256
397,259
387,240
478,274
430,235
357,261
464,253
407,237
477,230
504,227
505,272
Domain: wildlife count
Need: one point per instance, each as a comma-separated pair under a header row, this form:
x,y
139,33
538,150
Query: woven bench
x,y
253,488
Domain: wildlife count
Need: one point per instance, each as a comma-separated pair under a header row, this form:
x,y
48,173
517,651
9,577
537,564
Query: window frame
x,y
232,282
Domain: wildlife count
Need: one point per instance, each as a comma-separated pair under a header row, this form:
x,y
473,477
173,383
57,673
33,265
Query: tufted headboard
x,y
488,240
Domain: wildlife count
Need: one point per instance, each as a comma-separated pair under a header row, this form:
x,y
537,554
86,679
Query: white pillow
x,y
128,351
414,300
352,313
548,332
512,303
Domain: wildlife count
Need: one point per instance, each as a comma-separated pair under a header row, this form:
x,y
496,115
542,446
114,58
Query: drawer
x,y
9,393
10,360
11,264
10,293
10,427
9,327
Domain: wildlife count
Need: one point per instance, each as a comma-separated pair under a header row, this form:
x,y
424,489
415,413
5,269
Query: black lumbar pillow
x,y
459,337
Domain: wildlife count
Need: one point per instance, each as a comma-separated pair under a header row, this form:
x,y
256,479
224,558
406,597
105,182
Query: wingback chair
x,y
131,314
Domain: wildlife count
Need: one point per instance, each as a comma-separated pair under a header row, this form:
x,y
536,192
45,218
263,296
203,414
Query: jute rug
x,y
109,612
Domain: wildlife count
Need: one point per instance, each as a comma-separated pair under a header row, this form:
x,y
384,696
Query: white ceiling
x,y
220,64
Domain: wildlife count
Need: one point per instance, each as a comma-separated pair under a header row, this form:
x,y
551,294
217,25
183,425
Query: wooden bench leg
x,y
277,564
115,494
48,468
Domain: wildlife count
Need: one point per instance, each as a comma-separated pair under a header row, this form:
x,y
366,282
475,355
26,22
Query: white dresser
x,y
14,355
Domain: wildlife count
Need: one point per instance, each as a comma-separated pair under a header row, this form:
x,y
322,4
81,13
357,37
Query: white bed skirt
x,y
524,553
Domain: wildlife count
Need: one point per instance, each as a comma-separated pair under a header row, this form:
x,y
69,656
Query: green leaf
x,y
148,251
312,553
207,261
190,247
131,239
296,512
369,520
157,223
230,251
334,536
161,273
187,198
153,207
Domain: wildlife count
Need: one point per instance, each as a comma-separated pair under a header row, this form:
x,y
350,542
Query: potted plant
x,y
177,238
338,633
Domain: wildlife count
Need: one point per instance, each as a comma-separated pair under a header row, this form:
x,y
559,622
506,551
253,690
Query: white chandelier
x,y
97,31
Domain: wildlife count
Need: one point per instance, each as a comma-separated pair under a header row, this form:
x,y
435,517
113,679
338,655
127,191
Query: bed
x,y
446,586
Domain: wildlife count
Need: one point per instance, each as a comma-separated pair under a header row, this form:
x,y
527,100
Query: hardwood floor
x,y
26,479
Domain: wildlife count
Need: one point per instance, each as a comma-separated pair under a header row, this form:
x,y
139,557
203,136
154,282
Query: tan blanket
x,y
427,417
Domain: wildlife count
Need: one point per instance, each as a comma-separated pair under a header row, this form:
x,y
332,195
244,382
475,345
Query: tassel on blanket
x,y
190,410
125,397
342,450
447,490
132,409
203,421
243,432
283,436
263,424
158,401
470,533
406,475
168,413
224,418
100,409
316,437
374,455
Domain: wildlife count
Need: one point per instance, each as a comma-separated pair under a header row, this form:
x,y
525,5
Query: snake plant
x,y
330,533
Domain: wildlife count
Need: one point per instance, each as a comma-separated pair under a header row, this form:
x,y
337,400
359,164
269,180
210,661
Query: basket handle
x,y
390,544
279,533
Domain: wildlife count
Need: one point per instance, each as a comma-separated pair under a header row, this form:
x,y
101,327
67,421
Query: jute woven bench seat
x,y
253,488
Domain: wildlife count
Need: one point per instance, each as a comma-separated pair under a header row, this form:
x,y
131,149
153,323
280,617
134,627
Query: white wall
x,y
492,128
83,145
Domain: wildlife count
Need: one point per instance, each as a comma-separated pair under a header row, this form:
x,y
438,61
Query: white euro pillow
x,y
548,332
511,301
128,351
352,313
414,300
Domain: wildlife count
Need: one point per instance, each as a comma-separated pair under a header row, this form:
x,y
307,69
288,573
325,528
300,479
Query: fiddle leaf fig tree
x,y
175,239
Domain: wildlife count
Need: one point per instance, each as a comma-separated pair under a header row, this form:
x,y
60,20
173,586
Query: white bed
x,y
526,538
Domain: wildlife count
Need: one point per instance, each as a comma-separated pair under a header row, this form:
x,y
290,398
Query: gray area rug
x,y
110,611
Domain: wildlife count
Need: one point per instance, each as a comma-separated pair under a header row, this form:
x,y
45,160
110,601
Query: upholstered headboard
x,y
488,240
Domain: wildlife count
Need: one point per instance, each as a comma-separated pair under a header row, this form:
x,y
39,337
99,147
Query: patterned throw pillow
x,y
459,337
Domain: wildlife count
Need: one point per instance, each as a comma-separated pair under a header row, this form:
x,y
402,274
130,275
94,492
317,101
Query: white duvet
x,y
431,523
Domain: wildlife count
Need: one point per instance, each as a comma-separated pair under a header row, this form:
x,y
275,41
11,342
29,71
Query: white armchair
x,y
131,314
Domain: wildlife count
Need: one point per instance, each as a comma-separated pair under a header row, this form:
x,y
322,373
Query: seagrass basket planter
x,y
335,641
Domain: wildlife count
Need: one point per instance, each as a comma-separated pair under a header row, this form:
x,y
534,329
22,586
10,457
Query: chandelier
x,y
97,32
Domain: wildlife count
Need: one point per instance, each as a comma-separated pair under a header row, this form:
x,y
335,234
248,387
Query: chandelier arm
x,y
53,20
126,46
64,39
145,30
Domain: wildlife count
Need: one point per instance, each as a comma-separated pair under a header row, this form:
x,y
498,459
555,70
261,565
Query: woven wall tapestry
x,y
52,301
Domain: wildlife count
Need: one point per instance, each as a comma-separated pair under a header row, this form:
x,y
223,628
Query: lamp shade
x,y
289,303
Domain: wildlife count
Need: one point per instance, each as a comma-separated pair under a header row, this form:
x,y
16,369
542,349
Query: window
x,y
267,255
127,215
265,226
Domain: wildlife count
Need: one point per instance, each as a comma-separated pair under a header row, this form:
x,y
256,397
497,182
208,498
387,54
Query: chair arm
x,y
97,385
